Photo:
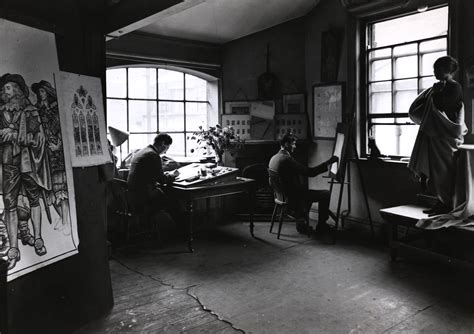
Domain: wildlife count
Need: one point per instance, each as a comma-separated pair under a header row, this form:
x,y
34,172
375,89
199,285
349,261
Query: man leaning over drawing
x,y
25,167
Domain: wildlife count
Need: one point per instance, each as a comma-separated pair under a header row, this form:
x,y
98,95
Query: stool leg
x,y
282,214
273,217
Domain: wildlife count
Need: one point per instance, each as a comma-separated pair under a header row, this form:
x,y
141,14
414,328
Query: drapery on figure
x,y
47,105
439,111
25,165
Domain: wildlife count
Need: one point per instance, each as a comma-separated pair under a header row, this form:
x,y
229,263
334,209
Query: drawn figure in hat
x,y
24,161
47,105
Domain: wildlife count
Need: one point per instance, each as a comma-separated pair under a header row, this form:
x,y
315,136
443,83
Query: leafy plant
x,y
219,139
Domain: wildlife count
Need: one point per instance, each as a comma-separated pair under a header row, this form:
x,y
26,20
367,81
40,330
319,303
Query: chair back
x,y
258,172
117,196
278,189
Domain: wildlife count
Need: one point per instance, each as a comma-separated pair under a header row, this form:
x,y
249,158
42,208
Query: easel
x,y
339,177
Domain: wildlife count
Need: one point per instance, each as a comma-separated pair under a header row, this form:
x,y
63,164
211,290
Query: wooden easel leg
x,y
338,212
331,214
347,212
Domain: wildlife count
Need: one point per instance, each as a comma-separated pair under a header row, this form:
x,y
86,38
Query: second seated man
x,y
300,198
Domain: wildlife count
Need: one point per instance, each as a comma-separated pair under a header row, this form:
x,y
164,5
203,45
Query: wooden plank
x,y
414,212
411,214
151,284
216,326
137,317
143,304
152,319
169,296
176,319
200,320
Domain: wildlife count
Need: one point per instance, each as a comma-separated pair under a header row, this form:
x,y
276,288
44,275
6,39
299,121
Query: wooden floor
x,y
146,305
294,284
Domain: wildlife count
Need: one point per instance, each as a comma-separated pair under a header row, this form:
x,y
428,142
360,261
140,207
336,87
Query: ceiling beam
x,y
128,15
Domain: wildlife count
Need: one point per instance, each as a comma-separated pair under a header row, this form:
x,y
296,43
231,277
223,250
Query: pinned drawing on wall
x,y
330,53
240,123
328,103
81,104
237,107
294,103
38,213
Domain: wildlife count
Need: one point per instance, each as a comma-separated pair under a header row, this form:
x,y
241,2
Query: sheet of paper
x,y
29,60
337,152
263,109
188,171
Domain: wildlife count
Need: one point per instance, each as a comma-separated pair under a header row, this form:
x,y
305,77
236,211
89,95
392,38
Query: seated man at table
x,y
299,197
146,177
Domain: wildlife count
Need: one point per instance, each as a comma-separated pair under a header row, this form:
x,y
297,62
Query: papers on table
x,y
193,173
188,172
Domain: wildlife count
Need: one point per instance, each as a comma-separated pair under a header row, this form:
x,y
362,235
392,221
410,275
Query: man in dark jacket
x,y
300,198
146,175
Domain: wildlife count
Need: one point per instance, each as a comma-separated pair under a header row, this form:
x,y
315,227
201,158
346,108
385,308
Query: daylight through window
x,y
400,57
144,101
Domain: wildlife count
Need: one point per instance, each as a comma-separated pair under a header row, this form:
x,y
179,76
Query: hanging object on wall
x,y
362,8
38,212
81,103
330,54
267,82
470,72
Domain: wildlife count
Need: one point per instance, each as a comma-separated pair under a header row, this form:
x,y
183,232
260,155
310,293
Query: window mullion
x,y
127,108
392,79
184,108
419,67
157,101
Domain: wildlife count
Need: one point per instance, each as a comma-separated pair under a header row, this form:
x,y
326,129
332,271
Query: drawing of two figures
x,y
32,165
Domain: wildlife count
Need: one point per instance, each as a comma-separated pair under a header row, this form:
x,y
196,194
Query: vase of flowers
x,y
217,139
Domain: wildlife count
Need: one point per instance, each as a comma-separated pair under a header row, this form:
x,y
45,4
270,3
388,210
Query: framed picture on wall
x,y
328,104
294,103
237,107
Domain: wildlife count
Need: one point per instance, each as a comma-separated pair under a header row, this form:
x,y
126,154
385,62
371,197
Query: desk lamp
x,y
118,138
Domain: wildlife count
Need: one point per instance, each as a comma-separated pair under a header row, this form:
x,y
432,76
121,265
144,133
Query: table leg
x,y
392,240
190,210
251,204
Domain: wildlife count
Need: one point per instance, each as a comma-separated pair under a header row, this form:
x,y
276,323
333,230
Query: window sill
x,y
385,160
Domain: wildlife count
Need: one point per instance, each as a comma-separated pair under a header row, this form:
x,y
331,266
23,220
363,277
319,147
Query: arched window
x,y
146,100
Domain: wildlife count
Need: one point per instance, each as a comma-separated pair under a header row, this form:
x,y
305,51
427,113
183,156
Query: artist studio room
x,y
236,166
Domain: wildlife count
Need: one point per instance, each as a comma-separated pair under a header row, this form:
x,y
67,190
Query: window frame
x,y
364,73
157,101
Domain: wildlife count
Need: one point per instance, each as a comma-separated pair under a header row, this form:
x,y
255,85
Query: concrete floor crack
x,y
410,316
185,289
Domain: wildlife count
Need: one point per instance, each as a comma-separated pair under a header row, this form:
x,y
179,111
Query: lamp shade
x,y
118,136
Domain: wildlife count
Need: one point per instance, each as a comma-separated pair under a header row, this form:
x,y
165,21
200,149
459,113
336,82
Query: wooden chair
x,y
263,205
280,199
132,221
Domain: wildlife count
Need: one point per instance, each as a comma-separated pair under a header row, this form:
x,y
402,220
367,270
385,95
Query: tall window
x,y
147,100
400,56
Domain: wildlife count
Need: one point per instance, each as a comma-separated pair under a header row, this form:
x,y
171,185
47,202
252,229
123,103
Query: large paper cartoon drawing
x,y
81,105
38,219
